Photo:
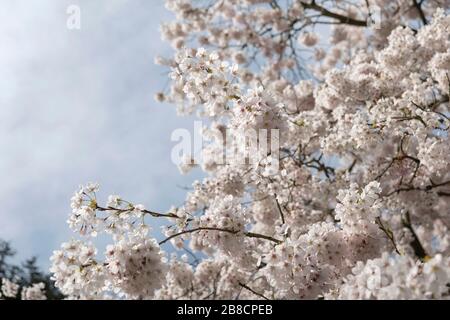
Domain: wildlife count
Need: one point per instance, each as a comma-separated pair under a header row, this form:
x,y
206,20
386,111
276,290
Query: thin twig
x,y
280,210
325,12
415,243
253,291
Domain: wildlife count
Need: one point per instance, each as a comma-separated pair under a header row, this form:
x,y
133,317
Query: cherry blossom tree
x,y
354,201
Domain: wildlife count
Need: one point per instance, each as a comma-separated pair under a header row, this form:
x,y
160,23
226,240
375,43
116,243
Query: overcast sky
x,y
77,106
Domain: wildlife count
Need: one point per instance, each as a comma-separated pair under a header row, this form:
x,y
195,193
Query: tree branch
x,y
325,12
253,291
426,188
388,233
152,213
415,243
279,209
418,6
247,234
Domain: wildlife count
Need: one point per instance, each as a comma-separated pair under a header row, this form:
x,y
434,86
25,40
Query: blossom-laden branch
x,y
325,12
246,234
144,211
253,291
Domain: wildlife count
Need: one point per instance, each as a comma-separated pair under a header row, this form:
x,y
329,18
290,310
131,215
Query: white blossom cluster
x,y
34,292
357,211
76,272
398,277
359,204
133,266
10,290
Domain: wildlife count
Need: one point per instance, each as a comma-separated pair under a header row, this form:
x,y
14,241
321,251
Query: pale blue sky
x,y
77,106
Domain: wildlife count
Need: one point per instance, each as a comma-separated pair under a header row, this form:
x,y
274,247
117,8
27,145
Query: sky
x,y
77,106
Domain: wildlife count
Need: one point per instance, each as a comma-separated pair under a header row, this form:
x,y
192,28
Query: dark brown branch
x,y
388,233
261,236
280,210
402,156
426,188
325,12
253,291
247,234
432,107
152,213
418,6
415,243
350,169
